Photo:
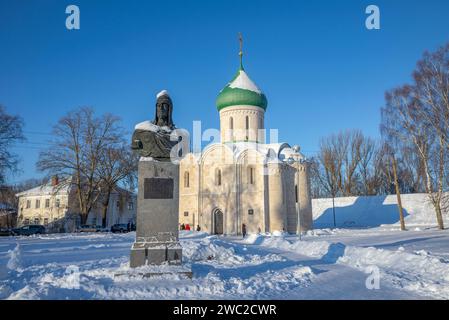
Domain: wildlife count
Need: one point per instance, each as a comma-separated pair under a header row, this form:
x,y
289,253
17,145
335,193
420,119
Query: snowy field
x,y
325,264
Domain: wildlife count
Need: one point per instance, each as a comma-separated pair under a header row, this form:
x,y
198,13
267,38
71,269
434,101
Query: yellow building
x,y
54,205
243,180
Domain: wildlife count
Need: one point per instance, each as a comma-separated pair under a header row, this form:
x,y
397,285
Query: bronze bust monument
x,y
154,138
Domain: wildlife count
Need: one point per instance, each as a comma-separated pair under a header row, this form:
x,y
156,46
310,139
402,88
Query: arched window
x,y
186,179
218,177
231,123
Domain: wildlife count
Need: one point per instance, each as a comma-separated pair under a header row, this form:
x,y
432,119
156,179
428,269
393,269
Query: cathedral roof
x,y
241,90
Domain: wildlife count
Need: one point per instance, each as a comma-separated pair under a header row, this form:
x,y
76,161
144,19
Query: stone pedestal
x,y
157,214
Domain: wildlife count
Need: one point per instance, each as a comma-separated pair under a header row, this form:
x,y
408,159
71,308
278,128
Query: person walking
x,y
244,230
198,228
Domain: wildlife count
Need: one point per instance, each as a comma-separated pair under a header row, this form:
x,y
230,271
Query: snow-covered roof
x,y
241,91
62,188
46,189
242,81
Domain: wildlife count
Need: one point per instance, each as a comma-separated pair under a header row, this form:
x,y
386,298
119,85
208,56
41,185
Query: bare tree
x,y
79,141
117,165
10,133
432,91
403,123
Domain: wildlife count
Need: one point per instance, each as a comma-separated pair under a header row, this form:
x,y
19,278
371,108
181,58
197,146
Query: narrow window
x,y
231,123
46,221
130,205
218,177
26,222
118,204
296,193
251,175
28,204
36,220
38,204
186,179
186,213
58,203
47,203
247,128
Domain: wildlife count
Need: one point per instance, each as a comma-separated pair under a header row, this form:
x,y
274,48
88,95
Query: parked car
x,y
88,228
28,230
120,227
5,232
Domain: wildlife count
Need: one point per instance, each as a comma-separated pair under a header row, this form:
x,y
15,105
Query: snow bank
x,y
374,211
418,271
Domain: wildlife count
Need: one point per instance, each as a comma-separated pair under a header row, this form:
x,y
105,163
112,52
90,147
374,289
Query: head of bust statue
x,y
164,110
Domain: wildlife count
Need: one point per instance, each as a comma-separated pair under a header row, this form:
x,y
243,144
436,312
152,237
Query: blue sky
x,y
320,68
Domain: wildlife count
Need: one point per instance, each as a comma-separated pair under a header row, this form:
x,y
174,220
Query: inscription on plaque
x,y
158,188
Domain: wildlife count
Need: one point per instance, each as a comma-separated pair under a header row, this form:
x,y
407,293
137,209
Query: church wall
x,y
251,190
188,190
276,205
217,189
289,175
252,198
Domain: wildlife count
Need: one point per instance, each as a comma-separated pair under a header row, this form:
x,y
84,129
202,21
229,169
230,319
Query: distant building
x,y
8,216
55,206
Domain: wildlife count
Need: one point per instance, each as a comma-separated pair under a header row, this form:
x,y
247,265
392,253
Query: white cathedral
x,y
242,179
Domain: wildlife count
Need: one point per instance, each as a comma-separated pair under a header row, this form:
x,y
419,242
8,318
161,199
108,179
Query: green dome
x,y
241,90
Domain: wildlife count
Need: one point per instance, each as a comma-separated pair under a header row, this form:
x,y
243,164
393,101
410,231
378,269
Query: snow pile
x,y
244,82
315,249
14,258
415,272
253,239
212,250
322,232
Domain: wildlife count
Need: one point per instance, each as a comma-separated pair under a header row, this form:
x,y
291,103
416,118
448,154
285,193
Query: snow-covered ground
x,y
325,264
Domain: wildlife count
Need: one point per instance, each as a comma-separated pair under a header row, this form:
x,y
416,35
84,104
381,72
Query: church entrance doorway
x,y
217,221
